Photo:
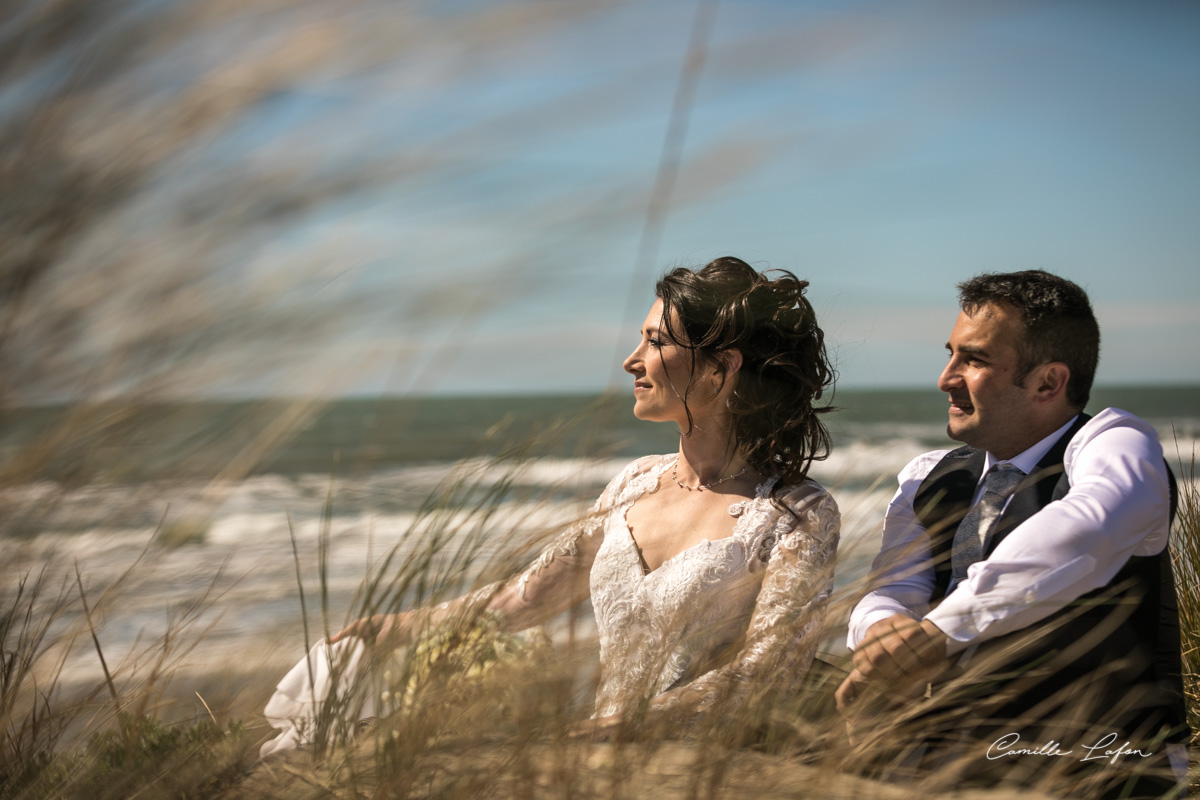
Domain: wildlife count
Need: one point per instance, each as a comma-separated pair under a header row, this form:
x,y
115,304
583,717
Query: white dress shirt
x,y
1117,507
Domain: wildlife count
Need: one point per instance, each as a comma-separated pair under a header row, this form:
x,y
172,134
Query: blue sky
x,y
881,150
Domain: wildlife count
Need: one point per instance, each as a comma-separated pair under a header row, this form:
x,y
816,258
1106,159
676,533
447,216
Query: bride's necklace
x,y
697,488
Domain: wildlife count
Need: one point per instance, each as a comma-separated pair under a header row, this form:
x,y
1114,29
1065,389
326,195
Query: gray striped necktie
x,y
971,538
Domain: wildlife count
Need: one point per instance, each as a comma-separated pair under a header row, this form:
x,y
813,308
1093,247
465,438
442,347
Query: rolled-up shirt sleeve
x,y
1117,507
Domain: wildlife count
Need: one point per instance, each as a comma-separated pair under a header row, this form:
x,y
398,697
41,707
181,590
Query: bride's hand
x,y
378,628
601,729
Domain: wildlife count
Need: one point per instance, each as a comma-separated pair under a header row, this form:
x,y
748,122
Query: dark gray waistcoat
x,y
1120,641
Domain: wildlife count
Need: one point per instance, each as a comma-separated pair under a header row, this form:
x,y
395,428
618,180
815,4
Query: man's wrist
x,y
940,642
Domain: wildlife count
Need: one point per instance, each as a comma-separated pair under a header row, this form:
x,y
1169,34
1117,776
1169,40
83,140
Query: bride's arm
x,y
785,628
556,581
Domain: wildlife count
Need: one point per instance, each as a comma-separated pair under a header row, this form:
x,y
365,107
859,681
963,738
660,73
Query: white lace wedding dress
x,y
713,618
712,622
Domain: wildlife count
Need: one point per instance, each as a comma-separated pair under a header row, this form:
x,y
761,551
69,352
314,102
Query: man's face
x,y
988,410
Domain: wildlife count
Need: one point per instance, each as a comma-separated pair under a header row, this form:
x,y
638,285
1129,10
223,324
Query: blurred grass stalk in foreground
x,y
1185,558
468,711
125,274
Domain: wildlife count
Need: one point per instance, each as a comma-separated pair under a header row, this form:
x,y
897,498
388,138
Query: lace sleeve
x,y
558,578
785,628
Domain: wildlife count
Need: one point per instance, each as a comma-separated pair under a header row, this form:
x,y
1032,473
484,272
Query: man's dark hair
x,y
1059,323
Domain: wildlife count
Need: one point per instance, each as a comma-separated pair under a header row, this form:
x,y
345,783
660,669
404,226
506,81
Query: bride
x,y
708,569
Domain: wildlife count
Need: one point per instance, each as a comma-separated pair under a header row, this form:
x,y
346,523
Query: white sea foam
x,y
243,546
872,461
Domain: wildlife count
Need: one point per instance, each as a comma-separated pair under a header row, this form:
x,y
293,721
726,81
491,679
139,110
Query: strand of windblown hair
x,y
668,164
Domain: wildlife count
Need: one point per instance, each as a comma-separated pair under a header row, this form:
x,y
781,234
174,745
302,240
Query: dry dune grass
x,y
90,305
469,712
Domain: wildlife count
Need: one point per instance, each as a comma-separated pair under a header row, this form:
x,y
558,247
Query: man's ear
x,y
1050,381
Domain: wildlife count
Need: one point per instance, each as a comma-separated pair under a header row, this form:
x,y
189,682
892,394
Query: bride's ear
x,y
728,363
724,367
732,359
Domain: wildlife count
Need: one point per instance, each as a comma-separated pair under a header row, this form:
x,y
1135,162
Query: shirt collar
x,y
1028,459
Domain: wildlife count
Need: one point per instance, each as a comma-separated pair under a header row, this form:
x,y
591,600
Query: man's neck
x,y
1027,459
1036,432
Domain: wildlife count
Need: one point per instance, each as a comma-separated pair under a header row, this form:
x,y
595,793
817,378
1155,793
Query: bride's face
x,y
661,371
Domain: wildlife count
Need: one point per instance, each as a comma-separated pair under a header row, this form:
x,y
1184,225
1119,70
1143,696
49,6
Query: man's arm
x,y
1117,507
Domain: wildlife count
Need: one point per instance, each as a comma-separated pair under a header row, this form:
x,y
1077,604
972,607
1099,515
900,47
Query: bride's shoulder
x,y
645,469
806,496
638,477
814,525
646,465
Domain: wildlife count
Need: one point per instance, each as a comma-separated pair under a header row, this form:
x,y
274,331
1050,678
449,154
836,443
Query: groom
x,y
1024,584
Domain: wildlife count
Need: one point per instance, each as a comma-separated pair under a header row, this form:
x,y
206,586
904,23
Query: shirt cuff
x,y
858,630
962,626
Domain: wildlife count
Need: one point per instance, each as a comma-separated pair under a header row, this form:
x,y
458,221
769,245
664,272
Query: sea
x,y
237,531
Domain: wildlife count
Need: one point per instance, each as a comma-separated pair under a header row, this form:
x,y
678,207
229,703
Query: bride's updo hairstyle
x,y
728,305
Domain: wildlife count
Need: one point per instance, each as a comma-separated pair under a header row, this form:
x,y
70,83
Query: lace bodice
x,y
711,618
